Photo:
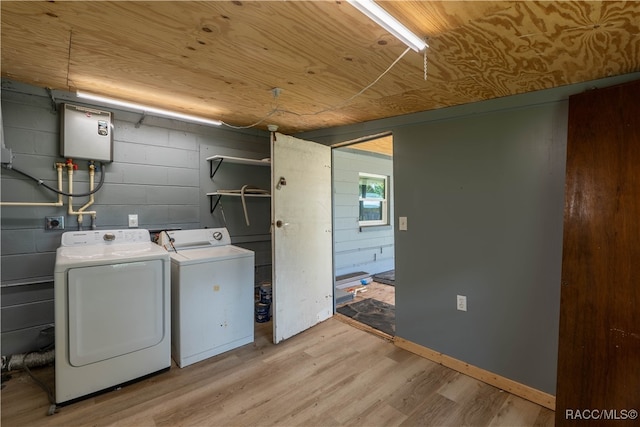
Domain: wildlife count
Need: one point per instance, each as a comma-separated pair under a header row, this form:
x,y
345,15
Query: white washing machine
x,y
112,311
212,293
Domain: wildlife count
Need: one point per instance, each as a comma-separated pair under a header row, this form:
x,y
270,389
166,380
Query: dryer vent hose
x,y
30,360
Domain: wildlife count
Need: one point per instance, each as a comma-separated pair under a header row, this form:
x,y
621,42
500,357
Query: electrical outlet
x,y
461,302
54,223
133,221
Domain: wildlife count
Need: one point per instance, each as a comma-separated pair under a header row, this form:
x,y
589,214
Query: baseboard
x,y
513,387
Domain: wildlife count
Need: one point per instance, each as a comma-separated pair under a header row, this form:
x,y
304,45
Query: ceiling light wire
x,y
69,56
425,63
276,93
336,106
269,114
343,103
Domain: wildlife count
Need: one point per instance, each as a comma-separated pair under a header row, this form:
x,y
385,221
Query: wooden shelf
x,y
218,159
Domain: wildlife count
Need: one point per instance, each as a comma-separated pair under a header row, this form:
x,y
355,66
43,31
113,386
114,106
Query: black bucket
x,y
262,312
266,293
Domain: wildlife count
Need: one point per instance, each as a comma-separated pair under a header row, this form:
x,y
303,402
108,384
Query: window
x,y
373,200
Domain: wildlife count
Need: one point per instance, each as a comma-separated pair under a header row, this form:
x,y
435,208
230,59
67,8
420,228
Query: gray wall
x,y
482,186
368,249
485,221
159,172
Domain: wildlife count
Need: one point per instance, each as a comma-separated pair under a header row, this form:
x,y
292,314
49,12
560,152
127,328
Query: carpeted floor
x,y
387,277
377,314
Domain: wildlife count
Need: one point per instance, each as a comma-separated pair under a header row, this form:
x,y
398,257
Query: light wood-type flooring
x,y
330,375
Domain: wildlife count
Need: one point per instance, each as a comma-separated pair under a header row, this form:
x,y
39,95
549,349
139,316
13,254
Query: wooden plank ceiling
x,y
223,59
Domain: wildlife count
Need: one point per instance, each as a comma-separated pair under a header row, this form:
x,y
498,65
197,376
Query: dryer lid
x,y
105,237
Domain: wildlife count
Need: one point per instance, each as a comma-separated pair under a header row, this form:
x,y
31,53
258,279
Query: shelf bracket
x,y
142,117
212,206
54,106
212,172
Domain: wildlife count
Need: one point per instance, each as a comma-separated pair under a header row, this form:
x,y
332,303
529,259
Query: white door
x,y
301,236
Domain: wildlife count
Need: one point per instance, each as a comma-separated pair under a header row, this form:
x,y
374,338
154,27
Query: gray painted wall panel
x,y
31,113
27,315
357,260
15,295
347,214
23,340
183,177
170,196
143,174
40,166
44,143
18,242
353,240
183,140
46,241
127,132
487,224
25,267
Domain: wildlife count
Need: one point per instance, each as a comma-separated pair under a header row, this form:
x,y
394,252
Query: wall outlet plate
x,y
133,220
461,302
54,223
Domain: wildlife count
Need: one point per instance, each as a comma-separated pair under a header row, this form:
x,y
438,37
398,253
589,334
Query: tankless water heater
x,y
86,133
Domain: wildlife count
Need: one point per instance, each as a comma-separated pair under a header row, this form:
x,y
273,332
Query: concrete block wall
x,y
159,172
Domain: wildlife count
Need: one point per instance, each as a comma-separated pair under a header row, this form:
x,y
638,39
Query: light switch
x,y
402,223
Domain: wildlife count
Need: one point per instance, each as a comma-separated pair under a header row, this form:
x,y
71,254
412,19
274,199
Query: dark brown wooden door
x,y
599,348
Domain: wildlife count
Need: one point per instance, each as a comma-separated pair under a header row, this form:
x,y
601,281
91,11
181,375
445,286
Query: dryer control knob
x,y
217,235
109,237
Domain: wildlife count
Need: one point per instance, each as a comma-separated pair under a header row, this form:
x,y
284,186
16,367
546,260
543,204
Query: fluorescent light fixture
x,y
389,23
147,109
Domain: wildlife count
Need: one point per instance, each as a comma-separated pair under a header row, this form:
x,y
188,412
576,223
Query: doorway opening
x,y
363,233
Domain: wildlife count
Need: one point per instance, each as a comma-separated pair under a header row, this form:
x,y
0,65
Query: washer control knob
x,y
109,237
217,235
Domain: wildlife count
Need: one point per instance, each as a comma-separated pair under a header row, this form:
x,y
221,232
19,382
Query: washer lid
x,y
190,239
219,253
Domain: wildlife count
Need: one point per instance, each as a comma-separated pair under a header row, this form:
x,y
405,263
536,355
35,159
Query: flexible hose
x,y
64,193
244,205
246,189
251,190
36,359
170,241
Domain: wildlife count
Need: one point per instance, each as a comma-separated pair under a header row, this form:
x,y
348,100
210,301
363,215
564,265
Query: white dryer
x,y
112,311
212,293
